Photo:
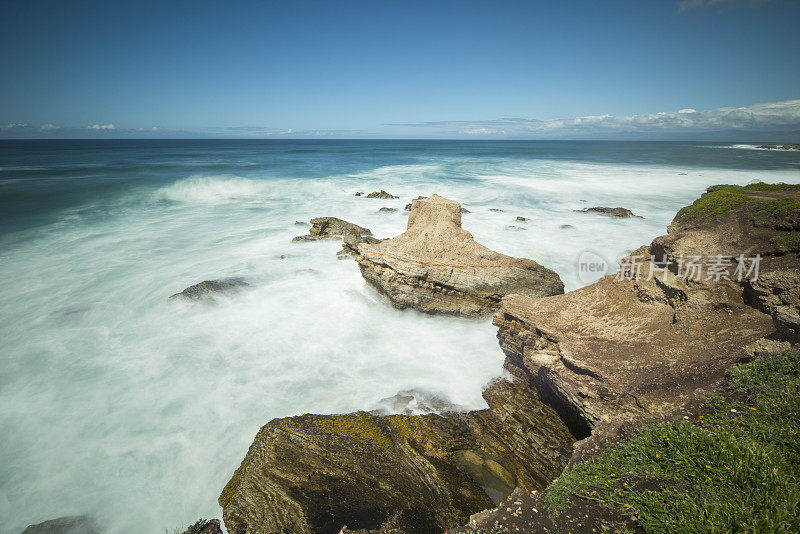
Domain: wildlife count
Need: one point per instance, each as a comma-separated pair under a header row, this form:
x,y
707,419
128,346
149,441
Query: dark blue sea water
x,y
118,403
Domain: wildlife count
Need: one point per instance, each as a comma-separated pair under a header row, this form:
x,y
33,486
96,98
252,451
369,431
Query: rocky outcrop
x,y
620,213
350,241
209,288
437,267
634,346
782,147
381,194
387,210
203,526
419,474
331,227
78,524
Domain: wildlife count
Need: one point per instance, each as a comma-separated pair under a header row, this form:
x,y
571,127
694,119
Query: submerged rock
x,y
620,213
208,288
78,524
330,227
387,210
419,474
437,267
381,194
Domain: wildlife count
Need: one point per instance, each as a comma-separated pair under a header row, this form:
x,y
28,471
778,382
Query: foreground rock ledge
x,y
437,267
420,474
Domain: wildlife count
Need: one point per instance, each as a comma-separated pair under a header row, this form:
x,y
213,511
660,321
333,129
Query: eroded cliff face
x,y
435,266
632,347
420,474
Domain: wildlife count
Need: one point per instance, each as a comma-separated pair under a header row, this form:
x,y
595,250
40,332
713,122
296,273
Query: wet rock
x,y
620,213
521,218
381,194
415,402
496,210
437,267
515,228
419,474
79,524
300,223
330,227
387,210
782,147
358,194
350,241
203,526
566,226
465,210
209,288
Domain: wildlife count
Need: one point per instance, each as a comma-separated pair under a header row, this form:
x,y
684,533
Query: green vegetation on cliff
x,y
713,204
758,186
790,240
780,207
736,468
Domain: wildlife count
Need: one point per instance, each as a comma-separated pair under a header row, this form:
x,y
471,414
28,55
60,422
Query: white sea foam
x,y
136,409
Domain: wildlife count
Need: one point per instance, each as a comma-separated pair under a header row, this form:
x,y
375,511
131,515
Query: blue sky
x,y
519,69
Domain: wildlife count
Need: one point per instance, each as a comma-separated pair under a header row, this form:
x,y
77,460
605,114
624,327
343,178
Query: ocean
x,y
121,404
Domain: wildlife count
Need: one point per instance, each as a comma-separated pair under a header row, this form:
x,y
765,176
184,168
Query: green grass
x,y
736,469
713,204
777,208
790,240
758,186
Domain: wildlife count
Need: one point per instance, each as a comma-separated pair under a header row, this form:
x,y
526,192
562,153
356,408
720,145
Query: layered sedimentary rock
x,y
633,346
420,474
437,267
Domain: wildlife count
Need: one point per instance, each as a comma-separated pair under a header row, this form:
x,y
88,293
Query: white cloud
x,y
102,127
777,116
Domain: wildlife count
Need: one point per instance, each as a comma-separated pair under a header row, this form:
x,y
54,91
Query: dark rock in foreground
x,y
419,474
437,267
79,524
208,288
620,213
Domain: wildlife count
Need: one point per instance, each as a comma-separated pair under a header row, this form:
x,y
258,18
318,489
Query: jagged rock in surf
x,y
209,288
619,213
437,267
381,194
331,227
78,524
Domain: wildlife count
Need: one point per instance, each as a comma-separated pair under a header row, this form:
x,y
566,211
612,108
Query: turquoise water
x,y
118,403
